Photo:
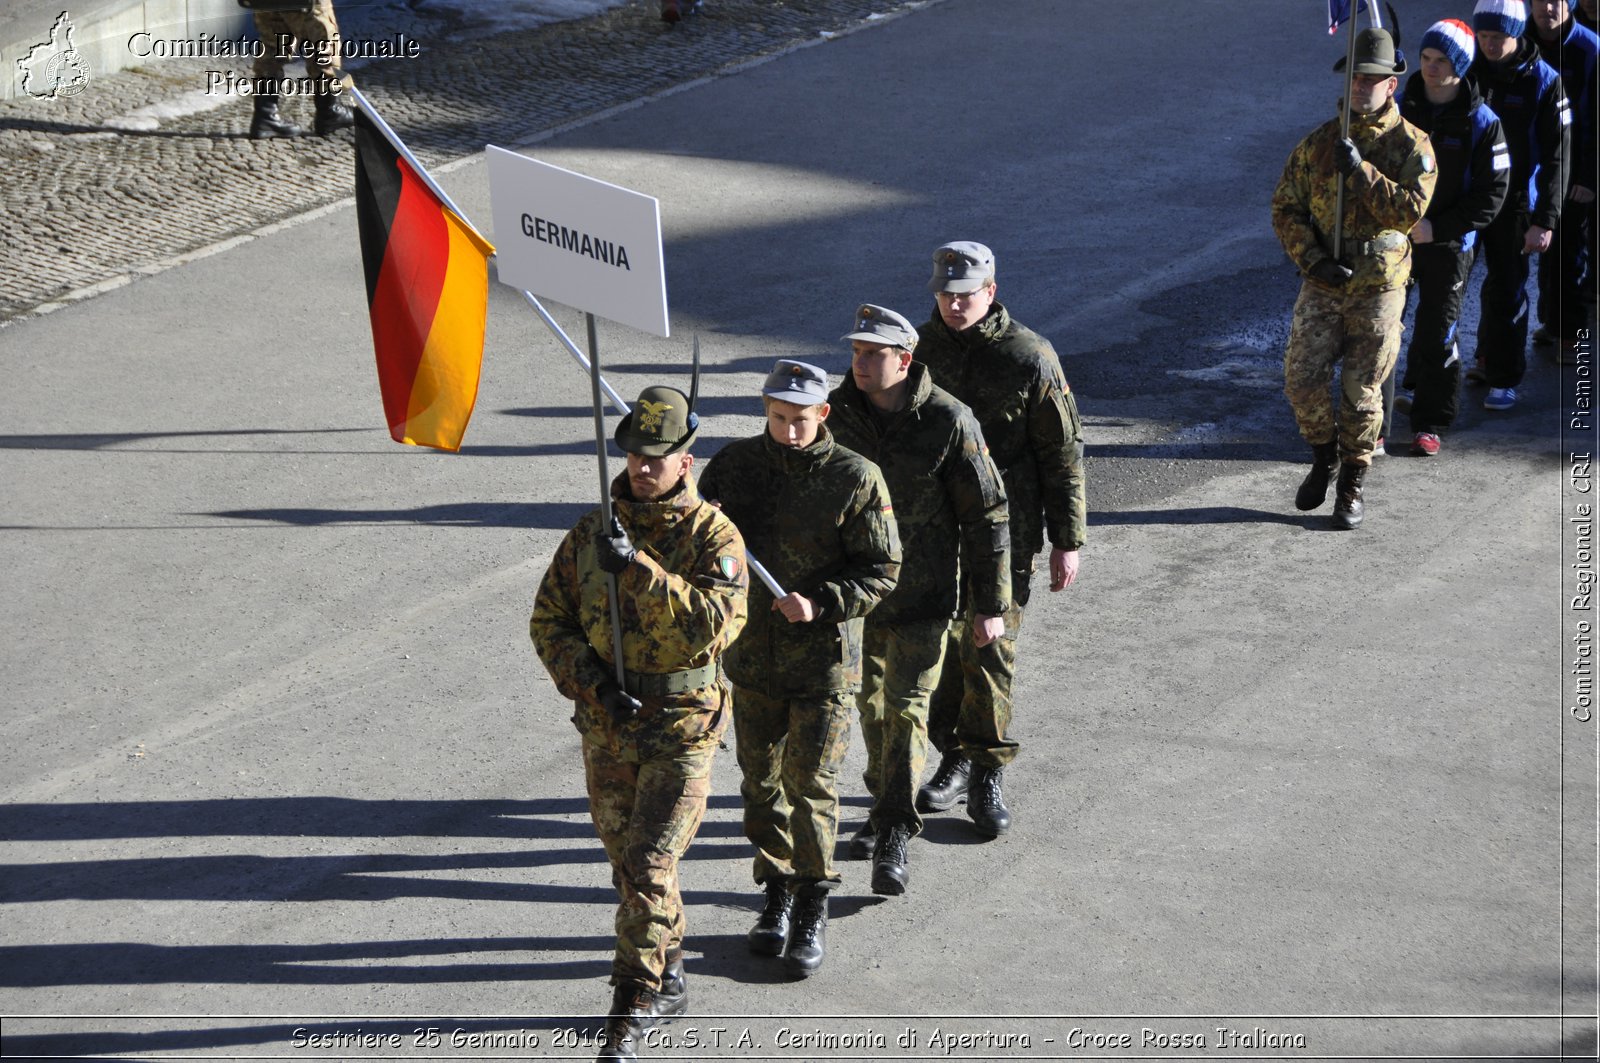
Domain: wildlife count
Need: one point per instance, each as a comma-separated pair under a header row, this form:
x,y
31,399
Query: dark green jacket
x,y
1010,377
948,498
820,520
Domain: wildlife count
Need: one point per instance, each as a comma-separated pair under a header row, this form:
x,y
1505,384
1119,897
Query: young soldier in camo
x,y
648,743
951,508
1349,307
819,517
1010,377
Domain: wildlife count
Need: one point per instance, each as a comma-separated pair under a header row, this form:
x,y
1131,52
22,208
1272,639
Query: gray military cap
x,y
879,324
961,266
800,383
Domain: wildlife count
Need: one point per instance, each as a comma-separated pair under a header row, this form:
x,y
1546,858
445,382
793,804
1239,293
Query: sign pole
x,y
1344,131
606,516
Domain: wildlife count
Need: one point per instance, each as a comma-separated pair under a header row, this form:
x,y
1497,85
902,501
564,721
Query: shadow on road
x,y
1210,515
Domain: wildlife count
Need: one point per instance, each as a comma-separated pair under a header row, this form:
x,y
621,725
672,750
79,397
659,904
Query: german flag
x,y
427,294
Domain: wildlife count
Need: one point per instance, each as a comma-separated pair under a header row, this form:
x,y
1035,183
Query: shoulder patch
x,y
729,566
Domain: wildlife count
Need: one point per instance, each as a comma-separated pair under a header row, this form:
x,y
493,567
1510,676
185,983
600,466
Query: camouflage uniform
x,y
1357,323
950,504
1009,375
819,518
682,603
316,32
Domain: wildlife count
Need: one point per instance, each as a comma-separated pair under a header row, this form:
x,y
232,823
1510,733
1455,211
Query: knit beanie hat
x,y
1454,38
1501,16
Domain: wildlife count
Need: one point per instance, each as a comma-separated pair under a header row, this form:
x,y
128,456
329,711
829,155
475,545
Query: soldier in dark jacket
x,y
1566,271
649,740
819,517
1011,379
951,508
1474,175
1526,94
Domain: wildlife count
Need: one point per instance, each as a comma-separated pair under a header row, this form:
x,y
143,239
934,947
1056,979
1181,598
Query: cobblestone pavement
x,y
91,199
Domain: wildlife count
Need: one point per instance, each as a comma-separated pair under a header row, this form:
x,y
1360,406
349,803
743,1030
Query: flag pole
x,y
606,516
1344,132
592,363
411,160
427,179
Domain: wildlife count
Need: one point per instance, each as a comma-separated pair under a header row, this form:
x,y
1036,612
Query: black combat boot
x,y
986,805
672,999
267,122
1347,507
626,1025
889,874
1314,488
767,937
947,784
863,841
333,112
808,936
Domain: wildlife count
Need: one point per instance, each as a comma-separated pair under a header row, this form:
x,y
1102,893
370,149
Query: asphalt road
x,y
281,757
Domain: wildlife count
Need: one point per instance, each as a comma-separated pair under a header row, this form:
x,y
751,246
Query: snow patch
x,y
149,118
478,19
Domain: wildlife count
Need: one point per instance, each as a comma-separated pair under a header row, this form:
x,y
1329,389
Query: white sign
x,y
579,241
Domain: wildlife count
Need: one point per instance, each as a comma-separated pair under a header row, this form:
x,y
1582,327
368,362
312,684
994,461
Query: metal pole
x,y
405,153
605,494
572,348
766,577
1344,131
591,363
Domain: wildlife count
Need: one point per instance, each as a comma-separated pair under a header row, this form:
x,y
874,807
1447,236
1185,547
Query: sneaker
x,y
669,11
1500,399
1377,449
1477,374
1544,336
1425,445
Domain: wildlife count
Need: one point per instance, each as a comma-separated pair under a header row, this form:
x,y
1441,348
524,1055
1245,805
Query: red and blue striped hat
x,y
1454,38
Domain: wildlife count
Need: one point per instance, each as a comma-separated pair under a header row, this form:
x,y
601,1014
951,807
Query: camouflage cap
x,y
879,324
660,423
800,383
1376,55
961,266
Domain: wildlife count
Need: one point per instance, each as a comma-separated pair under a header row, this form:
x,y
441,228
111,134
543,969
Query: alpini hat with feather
x,y
660,423
1376,54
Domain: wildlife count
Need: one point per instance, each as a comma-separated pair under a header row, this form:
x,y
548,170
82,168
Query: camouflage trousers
x,y
790,750
1359,332
901,663
646,813
316,32
971,709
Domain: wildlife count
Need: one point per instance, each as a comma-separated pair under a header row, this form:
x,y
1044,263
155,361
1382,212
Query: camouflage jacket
x,y
819,519
682,603
1383,198
948,497
1010,377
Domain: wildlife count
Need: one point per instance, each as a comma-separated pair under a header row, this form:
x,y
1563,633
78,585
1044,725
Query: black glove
x,y
620,705
1346,157
1330,272
614,552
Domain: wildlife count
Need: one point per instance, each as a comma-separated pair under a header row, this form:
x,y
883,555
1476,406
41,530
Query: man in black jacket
x,y
1474,174
1527,96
